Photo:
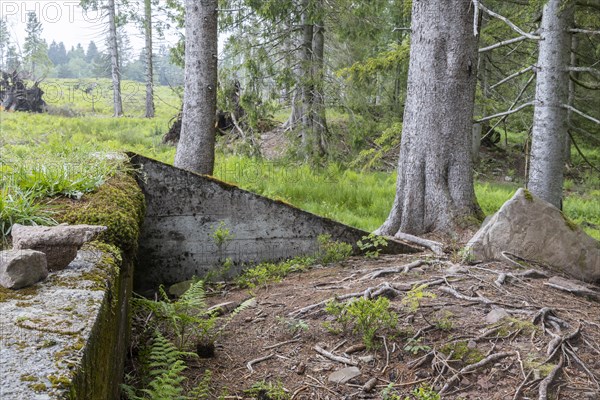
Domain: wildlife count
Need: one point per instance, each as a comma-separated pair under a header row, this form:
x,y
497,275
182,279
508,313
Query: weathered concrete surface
x,y
66,338
184,209
59,243
535,230
22,268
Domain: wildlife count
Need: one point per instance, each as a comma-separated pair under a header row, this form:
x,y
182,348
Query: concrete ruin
x,y
184,209
67,336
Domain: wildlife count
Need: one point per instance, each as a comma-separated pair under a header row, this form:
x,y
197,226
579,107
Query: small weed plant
x,y
368,317
372,245
415,346
293,326
264,273
331,251
268,391
412,299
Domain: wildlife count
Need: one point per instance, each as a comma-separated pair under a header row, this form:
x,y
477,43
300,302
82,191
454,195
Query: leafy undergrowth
x,y
416,335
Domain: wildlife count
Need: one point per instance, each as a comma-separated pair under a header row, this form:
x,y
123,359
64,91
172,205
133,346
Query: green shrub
x,y
332,251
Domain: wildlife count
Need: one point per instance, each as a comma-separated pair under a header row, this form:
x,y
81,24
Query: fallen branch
x,y
436,247
250,363
333,357
581,113
502,114
460,296
394,270
281,344
584,31
473,367
545,384
503,43
508,78
509,23
383,289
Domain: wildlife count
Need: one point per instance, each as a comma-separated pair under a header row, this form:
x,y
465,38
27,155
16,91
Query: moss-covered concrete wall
x,y
67,337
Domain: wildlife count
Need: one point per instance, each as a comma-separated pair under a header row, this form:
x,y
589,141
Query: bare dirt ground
x,y
546,346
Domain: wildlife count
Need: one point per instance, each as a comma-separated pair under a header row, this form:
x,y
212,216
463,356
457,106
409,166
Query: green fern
x,y
202,390
165,366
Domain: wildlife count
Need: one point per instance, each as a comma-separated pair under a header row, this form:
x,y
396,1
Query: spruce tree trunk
x,y
572,88
306,82
149,59
196,147
114,59
435,178
319,122
546,173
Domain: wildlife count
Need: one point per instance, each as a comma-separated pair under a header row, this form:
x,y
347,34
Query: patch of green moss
x,y
570,224
511,324
119,204
21,294
461,351
38,387
528,195
28,378
59,381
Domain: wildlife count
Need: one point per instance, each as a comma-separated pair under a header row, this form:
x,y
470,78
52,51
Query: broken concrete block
x,y
22,268
535,230
59,243
344,375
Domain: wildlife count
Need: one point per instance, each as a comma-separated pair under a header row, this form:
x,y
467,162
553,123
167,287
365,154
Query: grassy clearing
x,y
48,155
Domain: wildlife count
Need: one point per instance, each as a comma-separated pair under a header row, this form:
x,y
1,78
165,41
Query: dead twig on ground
x,y
250,363
333,357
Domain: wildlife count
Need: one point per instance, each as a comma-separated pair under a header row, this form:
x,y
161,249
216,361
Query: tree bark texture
x,y
435,179
114,59
319,120
149,59
196,147
546,173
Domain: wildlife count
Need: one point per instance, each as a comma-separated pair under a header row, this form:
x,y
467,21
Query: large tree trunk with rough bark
x,y
546,173
435,178
196,148
319,120
306,82
114,59
149,60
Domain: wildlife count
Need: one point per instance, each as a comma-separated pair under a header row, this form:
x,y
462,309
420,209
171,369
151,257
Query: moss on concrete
x,y
119,204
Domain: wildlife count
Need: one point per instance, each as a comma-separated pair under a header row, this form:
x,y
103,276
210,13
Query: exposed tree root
x,y
545,384
404,269
473,367
436,247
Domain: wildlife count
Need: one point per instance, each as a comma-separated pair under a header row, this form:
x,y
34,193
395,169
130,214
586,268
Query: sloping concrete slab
x,y
185,209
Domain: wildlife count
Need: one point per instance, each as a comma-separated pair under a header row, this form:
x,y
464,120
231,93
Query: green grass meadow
x,y
63,153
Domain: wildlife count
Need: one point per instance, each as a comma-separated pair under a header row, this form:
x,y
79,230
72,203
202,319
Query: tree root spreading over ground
x,y
547,346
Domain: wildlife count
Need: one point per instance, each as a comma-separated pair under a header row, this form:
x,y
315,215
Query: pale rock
x,y
535,230
344,375
59,243
496,315
22,268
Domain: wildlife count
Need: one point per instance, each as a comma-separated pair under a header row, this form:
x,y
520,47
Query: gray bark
x,y
114,59
319,122
546,172
149,60
435,179
196,147
306,83
572,86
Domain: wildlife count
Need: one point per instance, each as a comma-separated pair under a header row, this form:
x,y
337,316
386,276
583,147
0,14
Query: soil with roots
x,y
485,331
